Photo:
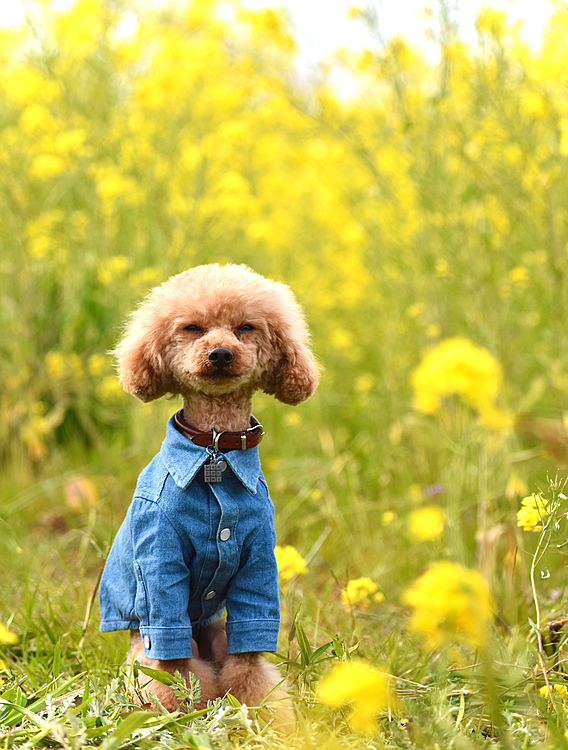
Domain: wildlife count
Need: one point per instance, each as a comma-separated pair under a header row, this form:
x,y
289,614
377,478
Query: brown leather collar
x,y
221,441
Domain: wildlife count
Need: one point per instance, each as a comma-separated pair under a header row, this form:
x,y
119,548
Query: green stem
x,y
539,552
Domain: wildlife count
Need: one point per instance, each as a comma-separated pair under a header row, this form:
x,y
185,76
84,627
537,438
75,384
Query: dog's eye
x,y
193,329
246,327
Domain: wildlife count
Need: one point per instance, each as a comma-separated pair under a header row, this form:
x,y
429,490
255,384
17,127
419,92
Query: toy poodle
x,y
198,537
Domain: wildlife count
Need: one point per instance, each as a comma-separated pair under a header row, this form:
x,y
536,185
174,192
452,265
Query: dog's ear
x,y
140,357
294,375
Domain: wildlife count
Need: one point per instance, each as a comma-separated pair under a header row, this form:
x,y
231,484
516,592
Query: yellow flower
x,y
111,268
458,366
534,508
77,29
519,277
144,278
491,20
109,389
514,153
45,166
561,690
40,232
493,418
292,418
365,382
7,637
433,330
40,245
450,603
341,339
388,517
532,103
442,268
70,141
97,364
353,12
367,689
290,562
260,230
360,592
34,118
26,85
114,187
271,26
427,523
55,365
415,310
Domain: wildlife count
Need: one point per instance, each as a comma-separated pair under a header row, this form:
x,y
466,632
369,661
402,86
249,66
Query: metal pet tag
x,y
214,471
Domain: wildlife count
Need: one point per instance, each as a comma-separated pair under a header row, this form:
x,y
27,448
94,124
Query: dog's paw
x,y
255,682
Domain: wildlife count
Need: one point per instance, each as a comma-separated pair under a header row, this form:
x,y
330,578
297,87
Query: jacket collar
x,y
183,459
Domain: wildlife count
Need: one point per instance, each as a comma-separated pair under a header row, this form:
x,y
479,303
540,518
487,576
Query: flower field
x,y
422,222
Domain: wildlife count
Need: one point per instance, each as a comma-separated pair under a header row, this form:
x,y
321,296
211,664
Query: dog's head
x,y
217,330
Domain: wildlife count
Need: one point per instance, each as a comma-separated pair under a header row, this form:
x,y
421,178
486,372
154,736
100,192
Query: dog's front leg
x,y
251,679
203,671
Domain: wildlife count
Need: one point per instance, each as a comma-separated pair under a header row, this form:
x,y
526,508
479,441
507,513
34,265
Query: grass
x,y
67,685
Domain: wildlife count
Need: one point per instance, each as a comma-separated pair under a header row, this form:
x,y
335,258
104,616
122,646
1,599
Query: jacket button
x,y
147,642
210,595
225,534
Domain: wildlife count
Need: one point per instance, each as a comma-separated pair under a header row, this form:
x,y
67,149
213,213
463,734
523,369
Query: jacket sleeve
x,y
253,603
162,583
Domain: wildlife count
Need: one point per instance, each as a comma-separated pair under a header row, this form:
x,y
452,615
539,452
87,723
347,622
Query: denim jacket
x,y
186,550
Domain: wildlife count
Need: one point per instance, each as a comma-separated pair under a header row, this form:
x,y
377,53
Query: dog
x,y
198,537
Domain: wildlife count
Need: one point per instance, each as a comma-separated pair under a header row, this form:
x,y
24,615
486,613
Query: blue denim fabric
x,y
169,569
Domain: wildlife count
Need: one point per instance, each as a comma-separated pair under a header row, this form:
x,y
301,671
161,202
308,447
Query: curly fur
x,y
158,356
165,350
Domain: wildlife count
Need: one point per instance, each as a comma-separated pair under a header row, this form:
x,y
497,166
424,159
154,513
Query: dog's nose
x,y
220,357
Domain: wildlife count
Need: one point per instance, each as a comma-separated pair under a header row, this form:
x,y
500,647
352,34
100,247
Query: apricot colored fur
x,y
158,355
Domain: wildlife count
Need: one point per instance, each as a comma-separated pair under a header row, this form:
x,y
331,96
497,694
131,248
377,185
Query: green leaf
x,y
9,718
37,738
127,726
48,630
158,674
292,633
198,741
93,732
320,651
288,662
57,659
22,711
234,702
339,648
304,644
86,698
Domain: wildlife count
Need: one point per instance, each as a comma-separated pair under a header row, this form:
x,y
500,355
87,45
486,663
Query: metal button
x,y
147,642
225,534
210,595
